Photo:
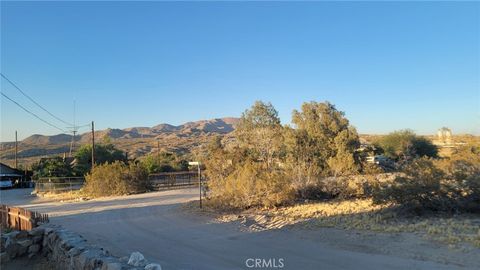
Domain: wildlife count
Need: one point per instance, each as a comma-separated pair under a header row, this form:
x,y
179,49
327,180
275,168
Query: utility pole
x,y
16,150
72,143
93,145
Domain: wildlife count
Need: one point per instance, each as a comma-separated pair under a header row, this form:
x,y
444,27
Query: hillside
x,y
137,141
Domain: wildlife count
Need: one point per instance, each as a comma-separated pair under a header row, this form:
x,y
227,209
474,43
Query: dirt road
x,y
155,225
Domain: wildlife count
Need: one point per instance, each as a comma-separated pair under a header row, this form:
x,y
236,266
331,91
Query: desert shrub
x,y
164,162
426,184
219,163
354,186
116,178
462,177
372,169
406,145
251,185
418,188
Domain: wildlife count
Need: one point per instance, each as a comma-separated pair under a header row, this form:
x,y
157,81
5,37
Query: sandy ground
x,y
157,225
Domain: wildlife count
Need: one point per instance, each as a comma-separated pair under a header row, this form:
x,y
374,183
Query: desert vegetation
x,y
116,178
57,166
319,157
164,162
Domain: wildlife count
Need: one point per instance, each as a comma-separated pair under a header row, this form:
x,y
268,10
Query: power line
x,y
36,116
31,99
77,127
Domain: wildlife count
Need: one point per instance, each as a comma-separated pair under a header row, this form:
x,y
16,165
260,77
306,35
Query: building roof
x,y
6,170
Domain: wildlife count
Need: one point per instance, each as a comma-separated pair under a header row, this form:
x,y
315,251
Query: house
x,y
10,176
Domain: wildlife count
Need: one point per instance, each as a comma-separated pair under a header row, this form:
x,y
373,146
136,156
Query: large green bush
x,y
164,162
116,178
104,153
51,167
406,145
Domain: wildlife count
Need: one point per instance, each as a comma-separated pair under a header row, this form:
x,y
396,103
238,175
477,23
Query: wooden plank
x,y
21,219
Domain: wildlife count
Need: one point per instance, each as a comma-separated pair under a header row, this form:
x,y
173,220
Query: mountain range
x,y
137,141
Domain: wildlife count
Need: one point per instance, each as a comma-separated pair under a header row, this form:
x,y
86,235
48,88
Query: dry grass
x,y
362,214
359,214
68,196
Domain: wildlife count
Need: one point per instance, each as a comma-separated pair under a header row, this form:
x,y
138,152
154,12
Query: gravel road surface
x,y
155,224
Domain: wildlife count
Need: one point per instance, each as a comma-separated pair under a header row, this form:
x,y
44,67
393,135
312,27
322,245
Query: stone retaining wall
x,y
67,250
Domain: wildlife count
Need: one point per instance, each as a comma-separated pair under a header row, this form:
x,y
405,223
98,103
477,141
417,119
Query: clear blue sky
x,y
388,66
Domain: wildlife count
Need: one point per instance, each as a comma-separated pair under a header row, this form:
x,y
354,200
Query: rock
x,y
74,252
21,235
112,266
83,260
105,252
67,249
12,234
36,231
90,259
22,250
153,266
137,259
34,248
3,243
48,230
37,239
12,250
25,242
4,257
9,241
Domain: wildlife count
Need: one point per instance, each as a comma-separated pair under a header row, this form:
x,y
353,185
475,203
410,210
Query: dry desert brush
x,y
116,178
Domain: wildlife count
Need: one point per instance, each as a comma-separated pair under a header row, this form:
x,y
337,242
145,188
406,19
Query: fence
x,y
20,219
158,180
58,184
174,179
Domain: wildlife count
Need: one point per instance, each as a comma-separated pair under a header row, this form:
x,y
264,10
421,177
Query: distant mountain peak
x,y
137,141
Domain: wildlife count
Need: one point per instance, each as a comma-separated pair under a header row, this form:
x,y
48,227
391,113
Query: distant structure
x,y
444,136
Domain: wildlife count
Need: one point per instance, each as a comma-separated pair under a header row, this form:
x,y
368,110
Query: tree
x,y
249,172
219,163
259,132
104,153
164,162
302,162
323,137
51,167
406,145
